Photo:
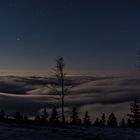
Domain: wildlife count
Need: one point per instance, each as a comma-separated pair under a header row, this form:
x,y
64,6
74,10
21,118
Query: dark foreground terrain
x,y
16,132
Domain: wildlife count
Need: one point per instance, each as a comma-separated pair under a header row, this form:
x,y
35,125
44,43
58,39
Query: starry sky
x,y
93,36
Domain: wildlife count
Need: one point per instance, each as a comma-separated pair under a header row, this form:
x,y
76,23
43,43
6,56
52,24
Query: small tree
x,y
97,122
45,115
2,114
37,118
122,123
54,118
112,121
129,123
86,119
103,120
25,118
75,120
17,116
135,112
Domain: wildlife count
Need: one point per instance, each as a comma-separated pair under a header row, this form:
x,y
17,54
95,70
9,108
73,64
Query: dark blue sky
x,y
92,35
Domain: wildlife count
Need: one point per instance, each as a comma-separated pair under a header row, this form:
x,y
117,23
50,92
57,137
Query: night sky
x,y
93,36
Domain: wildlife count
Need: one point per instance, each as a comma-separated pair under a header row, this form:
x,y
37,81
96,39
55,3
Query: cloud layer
x,y
97,94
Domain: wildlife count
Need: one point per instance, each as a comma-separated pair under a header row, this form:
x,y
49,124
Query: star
x,y
18,39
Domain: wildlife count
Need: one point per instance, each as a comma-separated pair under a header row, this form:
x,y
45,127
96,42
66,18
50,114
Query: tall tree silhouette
x,y
135,112
59,76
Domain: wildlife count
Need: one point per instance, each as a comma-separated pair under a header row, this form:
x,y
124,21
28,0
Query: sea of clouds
x,y
95,94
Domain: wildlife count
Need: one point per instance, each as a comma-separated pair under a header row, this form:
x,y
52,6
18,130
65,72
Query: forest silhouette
x,y
53,118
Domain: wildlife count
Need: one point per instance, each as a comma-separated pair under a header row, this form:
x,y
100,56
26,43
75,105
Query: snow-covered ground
x,y
8,132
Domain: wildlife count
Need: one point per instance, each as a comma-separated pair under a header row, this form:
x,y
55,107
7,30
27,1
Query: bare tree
x,y
59,83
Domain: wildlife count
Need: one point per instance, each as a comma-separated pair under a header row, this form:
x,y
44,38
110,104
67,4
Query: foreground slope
x,y
8,132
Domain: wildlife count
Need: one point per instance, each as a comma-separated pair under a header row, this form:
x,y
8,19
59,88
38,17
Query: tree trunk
x,y
63,115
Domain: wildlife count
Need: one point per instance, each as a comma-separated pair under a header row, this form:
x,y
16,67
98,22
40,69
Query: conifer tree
x,y
17,116
2,114
37,118
54,118
75,120
129,123
135,112
97,122
112,121
103,120
45,115
86,119
122,123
